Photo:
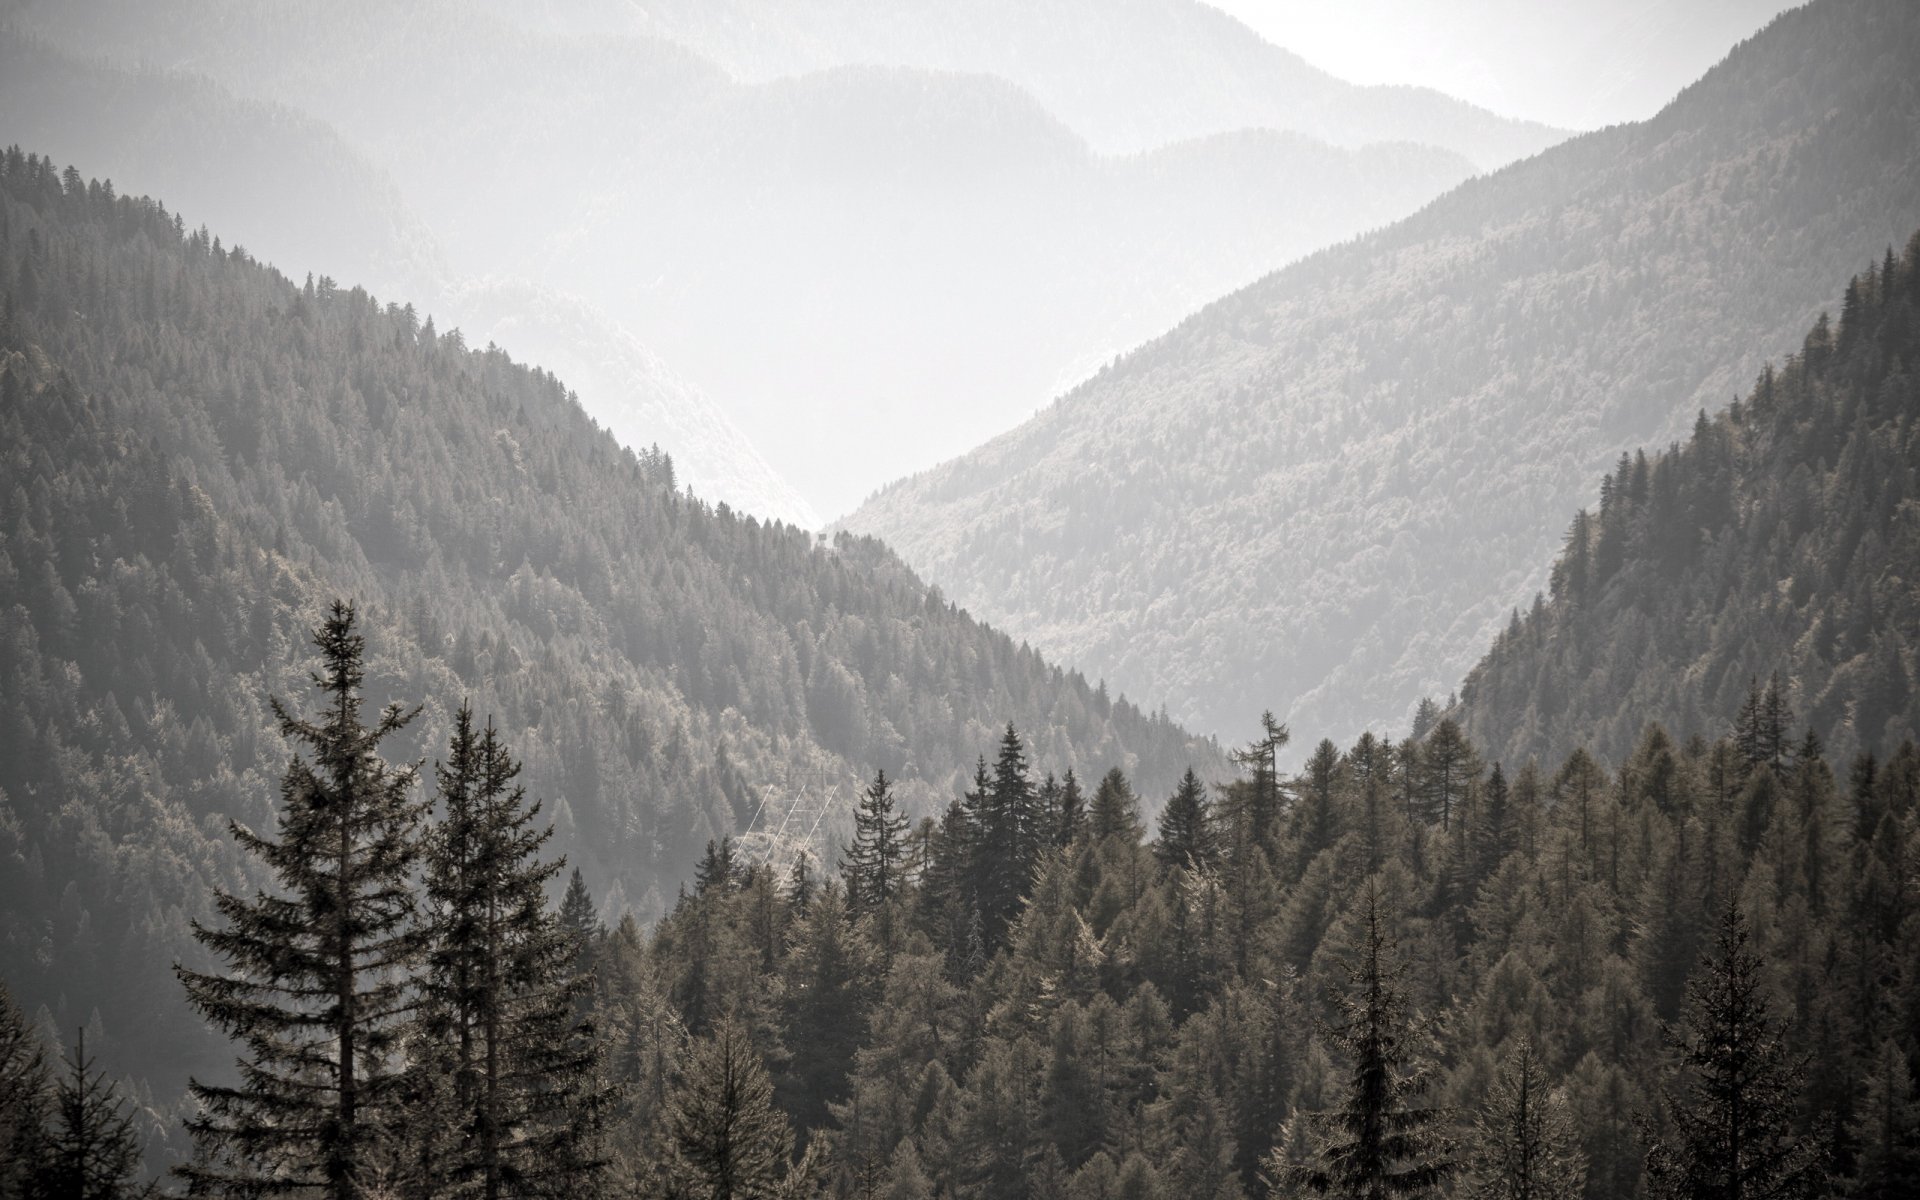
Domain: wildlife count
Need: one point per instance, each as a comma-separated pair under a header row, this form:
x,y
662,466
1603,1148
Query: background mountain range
x,y
921,231
1323,493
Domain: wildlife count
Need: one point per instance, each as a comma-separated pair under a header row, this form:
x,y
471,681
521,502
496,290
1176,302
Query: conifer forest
x,y
445,754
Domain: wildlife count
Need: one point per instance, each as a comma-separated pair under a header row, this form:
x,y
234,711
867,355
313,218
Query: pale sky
x,y
1574,63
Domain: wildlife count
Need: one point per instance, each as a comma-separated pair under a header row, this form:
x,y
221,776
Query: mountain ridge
x,y
1287,470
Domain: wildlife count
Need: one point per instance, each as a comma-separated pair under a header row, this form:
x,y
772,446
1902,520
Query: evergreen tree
x,y
1186,831
23,1100
730,1142
499,999
1263,799
1316,821
582,925
1073,810
1732,1113
321,975
1447,769
92,1152
1115,811
875,865
1523,1146
1378,1143
1886,1130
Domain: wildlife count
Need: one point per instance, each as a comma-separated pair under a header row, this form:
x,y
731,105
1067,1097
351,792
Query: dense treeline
x,y
1783,536
1400,972
1405,971
194,447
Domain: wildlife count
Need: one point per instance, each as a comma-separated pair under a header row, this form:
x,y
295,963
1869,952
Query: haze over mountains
x,y
900,242
198,452
1323,493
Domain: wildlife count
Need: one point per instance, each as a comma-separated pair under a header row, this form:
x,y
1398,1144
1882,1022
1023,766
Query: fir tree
x,y
1073,810
320,977
1732,1110
24,1097
500,996
730,1142
1523,1146
92,1152
1262,799
1378,1143
875,865
1115,811
1186,830
1886,1130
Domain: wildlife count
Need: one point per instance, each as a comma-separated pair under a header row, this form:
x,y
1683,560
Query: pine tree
x,y
1378,1144
24,1100
1447,769
1886,1130
875,865
1316,822
1115,811
1732,1112
1523,1146
92,1152
1073,810
729,1140
500,995
717,869
320,977
1263,798
1186,831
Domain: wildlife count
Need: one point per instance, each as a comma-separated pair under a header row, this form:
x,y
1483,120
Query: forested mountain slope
x,y
293,191
1320,494
199,452
857,223
1782,537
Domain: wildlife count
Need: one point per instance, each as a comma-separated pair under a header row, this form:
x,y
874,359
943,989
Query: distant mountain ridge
x,y
864,264
291,189
1781,540
1127,75
1320,494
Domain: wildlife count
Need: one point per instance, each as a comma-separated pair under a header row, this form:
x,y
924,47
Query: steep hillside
x,y
917,257
1783,536
1321,494
198,452
290,189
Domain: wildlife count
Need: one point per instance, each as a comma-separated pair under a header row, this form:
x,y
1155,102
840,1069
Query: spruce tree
x,y
1115,811
501,993
24,1100
1732,1109
1186,832
1263,799
1523,1145
729,1140
320,976
92,1152
875,865
1073,810
1378,1143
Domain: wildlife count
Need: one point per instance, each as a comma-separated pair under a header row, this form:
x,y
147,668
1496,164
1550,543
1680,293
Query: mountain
x,y
293,191
914,256
1127,75
1560,61
1783,537
199,452
1322,493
